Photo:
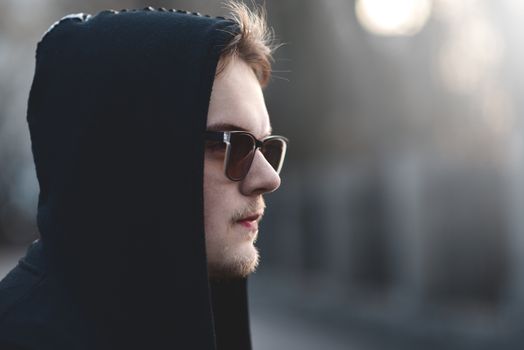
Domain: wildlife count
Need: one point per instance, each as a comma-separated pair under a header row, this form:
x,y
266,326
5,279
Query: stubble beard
x,y
236,266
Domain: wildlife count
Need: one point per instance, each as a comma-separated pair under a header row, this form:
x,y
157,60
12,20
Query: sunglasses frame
x,y
225,136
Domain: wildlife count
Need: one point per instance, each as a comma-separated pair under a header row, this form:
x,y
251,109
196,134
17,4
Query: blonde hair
x,y
254,42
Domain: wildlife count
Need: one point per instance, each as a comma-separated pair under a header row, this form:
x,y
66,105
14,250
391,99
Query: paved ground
x,y
274,330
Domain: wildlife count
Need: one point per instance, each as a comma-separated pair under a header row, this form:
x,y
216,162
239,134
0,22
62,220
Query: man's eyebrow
x,y
231,127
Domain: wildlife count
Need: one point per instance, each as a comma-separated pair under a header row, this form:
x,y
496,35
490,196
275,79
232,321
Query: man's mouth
x,y
250,221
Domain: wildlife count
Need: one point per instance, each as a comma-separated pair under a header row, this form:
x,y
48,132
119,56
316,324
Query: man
x,y
152,149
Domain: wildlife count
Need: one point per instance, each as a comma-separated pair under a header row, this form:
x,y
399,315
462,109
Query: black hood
x,y
117,113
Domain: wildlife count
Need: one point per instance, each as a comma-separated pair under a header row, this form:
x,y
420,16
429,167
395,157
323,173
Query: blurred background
x,y
400,220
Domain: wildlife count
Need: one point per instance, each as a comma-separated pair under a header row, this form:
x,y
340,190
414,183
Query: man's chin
x,y
234,267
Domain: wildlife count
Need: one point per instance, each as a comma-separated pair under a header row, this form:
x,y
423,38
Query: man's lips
x,y
250,221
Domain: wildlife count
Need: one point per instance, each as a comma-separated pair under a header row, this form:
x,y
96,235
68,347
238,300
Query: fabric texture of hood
x,y
117,113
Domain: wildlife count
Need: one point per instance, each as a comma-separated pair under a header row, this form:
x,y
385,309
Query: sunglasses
x,y
240,151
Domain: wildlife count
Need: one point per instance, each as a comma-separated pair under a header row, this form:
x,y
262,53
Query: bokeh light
x,y
393,17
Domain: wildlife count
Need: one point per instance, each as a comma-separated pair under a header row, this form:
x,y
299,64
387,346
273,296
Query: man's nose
x,y
261,178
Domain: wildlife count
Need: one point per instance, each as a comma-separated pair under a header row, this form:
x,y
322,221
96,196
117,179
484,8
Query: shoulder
x,y
16,285
19,284
19,324
36,311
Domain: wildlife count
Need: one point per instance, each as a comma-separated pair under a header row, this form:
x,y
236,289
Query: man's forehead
x,y
221,126
237,102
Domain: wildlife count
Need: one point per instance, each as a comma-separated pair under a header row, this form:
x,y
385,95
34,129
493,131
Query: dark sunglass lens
x,y
273,150
240,156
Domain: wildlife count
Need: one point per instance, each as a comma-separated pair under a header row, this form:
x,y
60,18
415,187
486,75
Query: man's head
x,y
233,209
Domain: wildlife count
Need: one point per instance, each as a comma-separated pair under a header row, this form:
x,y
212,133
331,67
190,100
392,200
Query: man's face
x,y
232,210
